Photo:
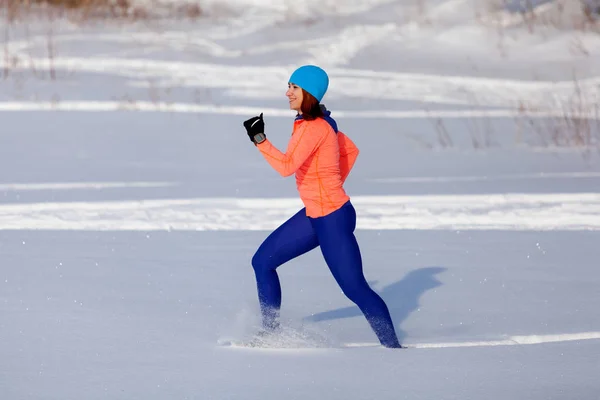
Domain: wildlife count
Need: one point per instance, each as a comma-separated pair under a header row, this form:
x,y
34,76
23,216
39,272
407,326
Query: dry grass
x,y
87,10
574,123
19,10
578,15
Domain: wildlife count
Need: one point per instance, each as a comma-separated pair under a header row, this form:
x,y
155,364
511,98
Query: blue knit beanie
x,y
312,79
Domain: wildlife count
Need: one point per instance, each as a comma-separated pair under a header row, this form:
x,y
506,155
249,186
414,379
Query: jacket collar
x,y
326,117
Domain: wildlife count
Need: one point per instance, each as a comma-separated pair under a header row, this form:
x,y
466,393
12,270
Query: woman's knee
x,y
261,262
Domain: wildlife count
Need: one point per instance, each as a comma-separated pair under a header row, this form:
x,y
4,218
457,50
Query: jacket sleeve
x,y
348,154
303,143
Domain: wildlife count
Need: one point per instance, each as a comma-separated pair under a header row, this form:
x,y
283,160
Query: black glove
x,y
255,127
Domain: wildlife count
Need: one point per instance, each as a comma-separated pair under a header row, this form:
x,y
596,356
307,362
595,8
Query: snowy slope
x,y
131,203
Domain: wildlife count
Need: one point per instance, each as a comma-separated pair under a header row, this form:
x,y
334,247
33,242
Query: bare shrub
x,y
574,123
443,136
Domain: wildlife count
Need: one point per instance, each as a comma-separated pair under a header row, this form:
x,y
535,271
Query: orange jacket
x,y
321,160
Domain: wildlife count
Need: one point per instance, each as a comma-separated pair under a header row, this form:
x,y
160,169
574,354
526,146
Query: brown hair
x,y
311,109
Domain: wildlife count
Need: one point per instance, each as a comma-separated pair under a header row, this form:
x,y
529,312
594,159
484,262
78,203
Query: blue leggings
x,y
334,233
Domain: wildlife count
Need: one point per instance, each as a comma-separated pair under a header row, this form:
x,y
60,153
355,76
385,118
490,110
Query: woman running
x,y
321,157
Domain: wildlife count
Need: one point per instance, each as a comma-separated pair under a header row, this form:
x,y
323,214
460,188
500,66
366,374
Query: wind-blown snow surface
x,y
131,203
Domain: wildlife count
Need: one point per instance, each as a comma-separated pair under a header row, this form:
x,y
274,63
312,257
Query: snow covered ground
x,y
131,203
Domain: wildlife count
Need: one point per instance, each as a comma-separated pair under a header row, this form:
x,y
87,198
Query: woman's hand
x,y
255,127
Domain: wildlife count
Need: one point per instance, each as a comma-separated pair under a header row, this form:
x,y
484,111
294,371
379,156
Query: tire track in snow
x,y
510,341
511,212
81,185
486,178
145,106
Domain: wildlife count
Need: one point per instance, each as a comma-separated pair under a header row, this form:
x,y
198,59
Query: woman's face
x,y
294,94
